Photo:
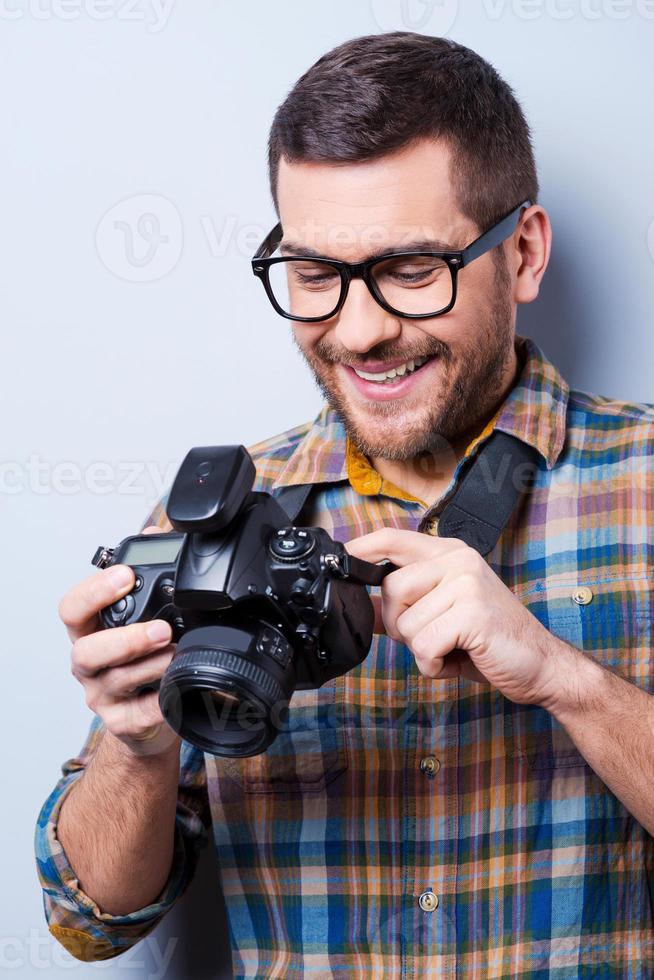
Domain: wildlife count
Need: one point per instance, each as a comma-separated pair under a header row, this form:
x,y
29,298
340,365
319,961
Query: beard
x,y
472,385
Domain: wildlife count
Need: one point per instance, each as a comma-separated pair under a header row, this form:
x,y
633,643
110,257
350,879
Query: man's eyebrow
x,y
415,245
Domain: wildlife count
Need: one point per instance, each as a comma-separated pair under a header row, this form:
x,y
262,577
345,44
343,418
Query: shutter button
x,y
428,901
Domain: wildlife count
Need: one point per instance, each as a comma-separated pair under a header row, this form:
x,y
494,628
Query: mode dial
x,y
292,543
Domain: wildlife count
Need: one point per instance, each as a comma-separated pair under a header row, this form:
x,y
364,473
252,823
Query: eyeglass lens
x,y
417,284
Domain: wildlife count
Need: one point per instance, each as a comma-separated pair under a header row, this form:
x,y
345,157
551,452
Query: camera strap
x,y
293,499
496,477
483,501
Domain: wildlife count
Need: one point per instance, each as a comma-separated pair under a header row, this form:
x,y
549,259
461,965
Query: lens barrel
x,y
226,686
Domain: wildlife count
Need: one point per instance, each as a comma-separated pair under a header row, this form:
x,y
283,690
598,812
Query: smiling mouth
x,y
393,375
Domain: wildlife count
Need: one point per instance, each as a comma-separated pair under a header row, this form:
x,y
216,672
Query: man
x,y
477,797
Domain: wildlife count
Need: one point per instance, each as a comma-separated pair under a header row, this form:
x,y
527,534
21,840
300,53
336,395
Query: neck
x,y
428,477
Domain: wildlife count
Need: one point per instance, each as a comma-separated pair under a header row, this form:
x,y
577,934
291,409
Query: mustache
x,y
331,355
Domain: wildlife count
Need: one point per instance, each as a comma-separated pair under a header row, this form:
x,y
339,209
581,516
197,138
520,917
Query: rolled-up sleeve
x,y
73,917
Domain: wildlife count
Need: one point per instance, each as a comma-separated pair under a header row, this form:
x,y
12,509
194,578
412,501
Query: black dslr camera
x,y
258,607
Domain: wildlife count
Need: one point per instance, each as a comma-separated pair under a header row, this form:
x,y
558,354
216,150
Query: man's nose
x,y
362,323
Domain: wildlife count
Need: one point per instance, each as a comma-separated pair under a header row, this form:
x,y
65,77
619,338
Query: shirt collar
x,y
536,408
534,411
319,456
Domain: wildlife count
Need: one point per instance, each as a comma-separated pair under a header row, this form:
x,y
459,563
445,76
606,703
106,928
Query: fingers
x,y
80,606
116,684
438,661
424,589
404,589
457,663
111,666
96,652
401,546
426,610
434,642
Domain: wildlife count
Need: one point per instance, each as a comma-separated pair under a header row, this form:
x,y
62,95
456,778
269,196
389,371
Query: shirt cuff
x,y
73,918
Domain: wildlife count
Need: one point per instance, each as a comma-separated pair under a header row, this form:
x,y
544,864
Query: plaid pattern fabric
x,y
327,841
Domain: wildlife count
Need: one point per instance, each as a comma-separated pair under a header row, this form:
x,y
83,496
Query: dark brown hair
x,y
378,93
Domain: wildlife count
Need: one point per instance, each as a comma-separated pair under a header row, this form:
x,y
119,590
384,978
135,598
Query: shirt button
x,y
582,595
430,765
428,902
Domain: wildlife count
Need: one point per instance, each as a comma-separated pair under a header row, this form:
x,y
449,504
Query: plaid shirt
x,y
406,827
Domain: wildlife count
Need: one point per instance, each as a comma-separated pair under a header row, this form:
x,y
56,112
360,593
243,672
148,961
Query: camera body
x,y
258,607
290,574
153,558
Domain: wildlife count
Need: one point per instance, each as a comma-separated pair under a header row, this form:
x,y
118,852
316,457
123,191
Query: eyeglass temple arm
x,y
484,243
494,236
270,242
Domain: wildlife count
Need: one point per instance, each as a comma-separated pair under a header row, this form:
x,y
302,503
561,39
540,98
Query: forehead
x,y
347,209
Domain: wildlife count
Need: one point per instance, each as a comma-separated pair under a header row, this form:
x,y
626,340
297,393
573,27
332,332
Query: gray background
x,y
124,344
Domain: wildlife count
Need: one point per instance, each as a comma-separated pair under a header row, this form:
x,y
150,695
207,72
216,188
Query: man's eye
x,y
415,275
417,272
317,278
421,276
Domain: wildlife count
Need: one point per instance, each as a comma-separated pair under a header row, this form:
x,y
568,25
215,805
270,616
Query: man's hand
x,y
458,618
111,664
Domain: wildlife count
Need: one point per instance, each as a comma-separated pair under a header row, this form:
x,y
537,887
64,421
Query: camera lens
x,y
226,686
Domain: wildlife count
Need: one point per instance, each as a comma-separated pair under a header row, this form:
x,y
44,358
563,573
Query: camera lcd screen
x,y
157,550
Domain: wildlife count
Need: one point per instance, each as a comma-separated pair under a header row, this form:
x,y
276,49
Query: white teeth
x,y
399,371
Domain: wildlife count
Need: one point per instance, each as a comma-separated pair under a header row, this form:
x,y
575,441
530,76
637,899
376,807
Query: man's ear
x,y
529,253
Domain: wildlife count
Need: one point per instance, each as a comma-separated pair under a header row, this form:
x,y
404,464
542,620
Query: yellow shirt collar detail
x,y
365,479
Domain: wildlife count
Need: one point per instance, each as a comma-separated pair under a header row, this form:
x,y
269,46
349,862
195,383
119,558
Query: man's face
x,y
350,211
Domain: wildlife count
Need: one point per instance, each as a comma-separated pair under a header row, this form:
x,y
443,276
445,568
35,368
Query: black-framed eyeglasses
x,y
412,284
